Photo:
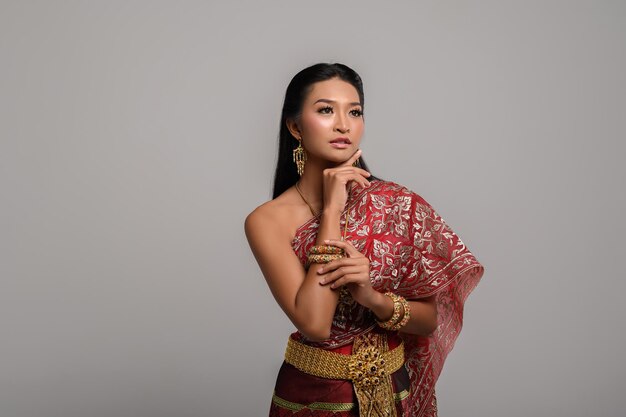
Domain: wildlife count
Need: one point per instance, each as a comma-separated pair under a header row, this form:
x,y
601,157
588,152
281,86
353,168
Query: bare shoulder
x,y
264,215
274,217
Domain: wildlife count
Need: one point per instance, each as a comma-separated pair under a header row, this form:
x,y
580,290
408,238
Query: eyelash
x,y
360,113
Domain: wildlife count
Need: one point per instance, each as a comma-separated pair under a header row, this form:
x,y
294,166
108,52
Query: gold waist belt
x,y
369,367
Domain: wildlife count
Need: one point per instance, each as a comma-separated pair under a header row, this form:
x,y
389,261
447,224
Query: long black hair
x,y
301,84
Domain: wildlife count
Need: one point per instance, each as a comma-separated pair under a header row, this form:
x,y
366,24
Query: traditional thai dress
x,y
412,253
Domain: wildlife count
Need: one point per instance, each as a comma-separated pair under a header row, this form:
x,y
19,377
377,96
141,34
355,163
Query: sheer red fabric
x,y
413,252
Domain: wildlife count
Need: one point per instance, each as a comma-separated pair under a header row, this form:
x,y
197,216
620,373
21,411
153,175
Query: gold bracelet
x,y
395,322
407,314
322,258
328,249
395,317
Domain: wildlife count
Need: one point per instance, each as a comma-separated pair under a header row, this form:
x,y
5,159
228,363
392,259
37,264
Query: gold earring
x,y
299,157
357,163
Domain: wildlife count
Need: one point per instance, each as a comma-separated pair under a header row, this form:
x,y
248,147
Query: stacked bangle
x,y
329,249
322,254
406,316
323,258
396,322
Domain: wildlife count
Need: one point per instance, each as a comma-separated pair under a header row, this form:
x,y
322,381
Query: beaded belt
x,y
369,368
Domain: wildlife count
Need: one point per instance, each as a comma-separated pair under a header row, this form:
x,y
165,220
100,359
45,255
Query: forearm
x,y
423,315
314,302
423,319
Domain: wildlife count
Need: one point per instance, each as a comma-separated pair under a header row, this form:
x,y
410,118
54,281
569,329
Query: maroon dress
x,y
412,253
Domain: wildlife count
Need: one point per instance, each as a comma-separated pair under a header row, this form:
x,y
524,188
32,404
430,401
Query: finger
x,y
353,158
348,181
358,178
338,263
363,183
346,245
346,279
350,169
340,273
362,171
349,175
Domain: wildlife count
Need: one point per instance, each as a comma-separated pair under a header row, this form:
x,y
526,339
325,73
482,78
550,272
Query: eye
x,y
323,109
357,112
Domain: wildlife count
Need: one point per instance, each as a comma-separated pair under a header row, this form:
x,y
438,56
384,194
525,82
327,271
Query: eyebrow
x,y
325,100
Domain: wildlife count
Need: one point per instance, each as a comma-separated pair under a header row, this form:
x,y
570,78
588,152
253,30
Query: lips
x,y
345,141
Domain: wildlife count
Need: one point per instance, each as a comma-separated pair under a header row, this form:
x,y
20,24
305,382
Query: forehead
x,y
333,89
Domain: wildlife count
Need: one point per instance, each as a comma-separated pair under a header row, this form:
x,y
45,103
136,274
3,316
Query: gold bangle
x,y
406,316
328,249
323,258
395,322
395,317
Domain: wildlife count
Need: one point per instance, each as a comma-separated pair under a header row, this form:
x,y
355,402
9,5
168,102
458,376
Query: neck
x,y
312,183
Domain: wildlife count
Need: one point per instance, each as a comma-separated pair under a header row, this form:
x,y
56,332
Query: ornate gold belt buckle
x,y
367,367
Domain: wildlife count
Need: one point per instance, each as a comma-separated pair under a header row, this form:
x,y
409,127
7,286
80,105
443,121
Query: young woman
x,y
370,275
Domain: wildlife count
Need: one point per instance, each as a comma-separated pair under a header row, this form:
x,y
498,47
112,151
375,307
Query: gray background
x,y
136,137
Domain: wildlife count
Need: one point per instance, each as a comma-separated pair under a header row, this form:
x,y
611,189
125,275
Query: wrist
x,y
382,306
401,313
331,211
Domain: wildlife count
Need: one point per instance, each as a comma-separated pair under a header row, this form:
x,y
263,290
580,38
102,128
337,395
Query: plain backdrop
x,y
137,135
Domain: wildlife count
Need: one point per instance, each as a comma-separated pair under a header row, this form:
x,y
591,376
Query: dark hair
x,y
301,84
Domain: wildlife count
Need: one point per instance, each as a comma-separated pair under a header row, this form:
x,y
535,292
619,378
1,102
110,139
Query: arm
x,y
423,320
354,271
309,306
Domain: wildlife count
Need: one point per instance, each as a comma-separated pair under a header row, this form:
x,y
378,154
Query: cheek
x,y
358,125
314,123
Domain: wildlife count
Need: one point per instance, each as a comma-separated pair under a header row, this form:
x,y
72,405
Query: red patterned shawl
x,y
413,253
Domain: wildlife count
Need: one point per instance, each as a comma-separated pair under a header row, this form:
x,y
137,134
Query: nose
x,y
342,123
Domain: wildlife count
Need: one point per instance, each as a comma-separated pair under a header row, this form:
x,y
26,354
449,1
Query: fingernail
x,y
326,240
323,282
319,271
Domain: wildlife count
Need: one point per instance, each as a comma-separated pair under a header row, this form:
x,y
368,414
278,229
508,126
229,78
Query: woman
x,y
370,275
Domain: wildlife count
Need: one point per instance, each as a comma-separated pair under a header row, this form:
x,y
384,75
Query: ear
x,y
294,128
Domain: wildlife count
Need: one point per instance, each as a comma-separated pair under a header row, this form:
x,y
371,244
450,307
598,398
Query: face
x,y
331,123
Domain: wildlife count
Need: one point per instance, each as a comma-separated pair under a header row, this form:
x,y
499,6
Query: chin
x,y
336,156
336,160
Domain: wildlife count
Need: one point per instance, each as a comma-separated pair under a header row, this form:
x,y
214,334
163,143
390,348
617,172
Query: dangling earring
x,y
357,163
299,157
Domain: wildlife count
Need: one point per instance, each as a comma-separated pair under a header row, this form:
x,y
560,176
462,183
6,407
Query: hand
x,y
352,271
335,182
